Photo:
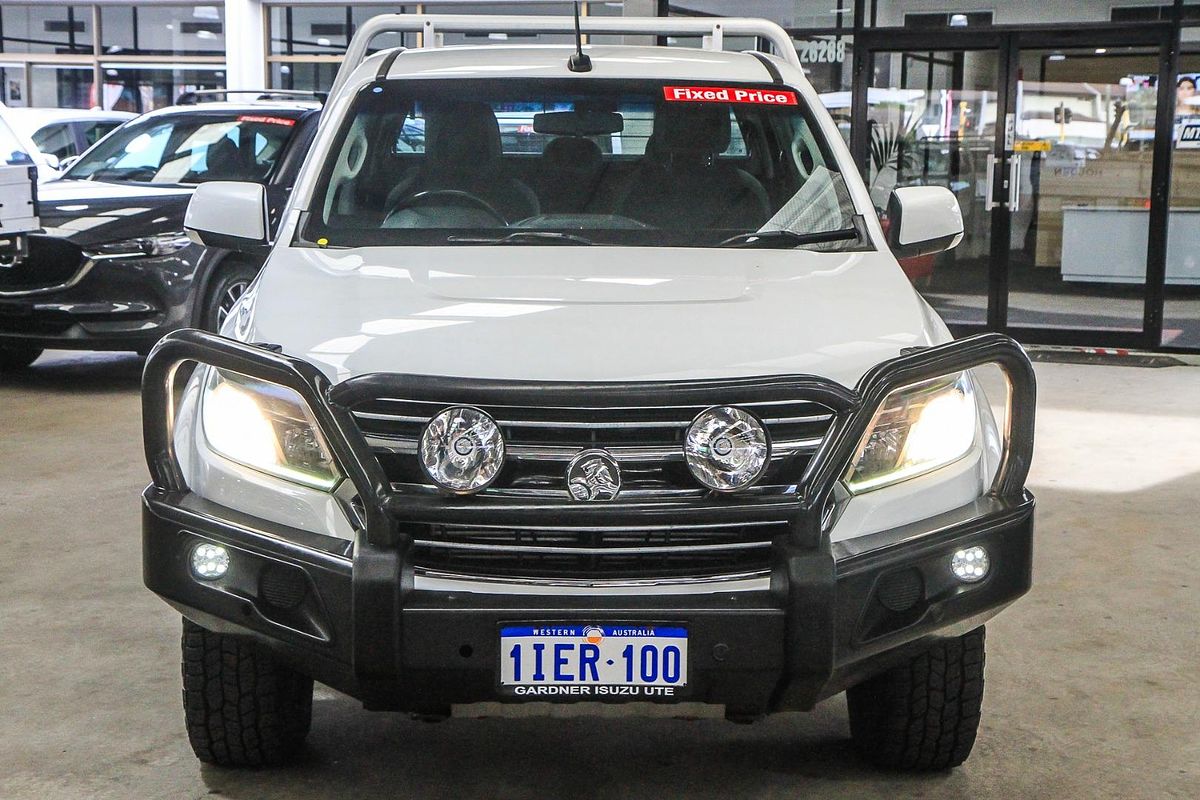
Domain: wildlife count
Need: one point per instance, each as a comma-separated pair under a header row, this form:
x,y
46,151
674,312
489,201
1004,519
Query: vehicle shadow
x,y
391,756
75,372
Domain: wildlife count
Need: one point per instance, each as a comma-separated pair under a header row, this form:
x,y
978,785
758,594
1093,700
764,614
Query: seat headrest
x,y
691,129
573,153
222,158
461,136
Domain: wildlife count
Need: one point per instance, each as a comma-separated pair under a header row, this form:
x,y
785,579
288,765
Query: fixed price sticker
x,y
729,94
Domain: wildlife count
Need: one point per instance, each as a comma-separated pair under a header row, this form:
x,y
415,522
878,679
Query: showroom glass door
x,y
931,113
1084,211
1048,140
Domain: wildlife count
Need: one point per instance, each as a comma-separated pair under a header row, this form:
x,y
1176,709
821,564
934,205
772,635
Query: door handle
x,y
989,191
1014,182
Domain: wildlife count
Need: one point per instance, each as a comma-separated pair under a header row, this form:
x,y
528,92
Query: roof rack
x,y
712,29
193,97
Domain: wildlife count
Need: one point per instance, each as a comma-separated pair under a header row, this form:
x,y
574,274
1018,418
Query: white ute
x,y
583,373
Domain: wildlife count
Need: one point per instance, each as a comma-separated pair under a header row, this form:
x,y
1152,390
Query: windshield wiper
x,y
782,238
523,237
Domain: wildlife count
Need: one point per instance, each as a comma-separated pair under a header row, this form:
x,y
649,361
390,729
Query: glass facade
x,y
109,56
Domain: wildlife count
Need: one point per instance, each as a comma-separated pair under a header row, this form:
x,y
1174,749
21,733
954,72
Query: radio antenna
x,y
579,62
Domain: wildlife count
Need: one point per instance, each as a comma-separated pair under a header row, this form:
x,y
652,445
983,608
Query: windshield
x,y
580,161
188,148
11,150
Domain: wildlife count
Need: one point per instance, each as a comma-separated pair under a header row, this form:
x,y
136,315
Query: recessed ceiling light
x,y
1101,51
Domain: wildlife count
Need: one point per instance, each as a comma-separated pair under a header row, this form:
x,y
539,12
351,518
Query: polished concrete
x,y
1091,681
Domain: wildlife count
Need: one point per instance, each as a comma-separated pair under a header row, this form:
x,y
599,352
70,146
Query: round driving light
x,y
970,565
462,450
209,561
726,448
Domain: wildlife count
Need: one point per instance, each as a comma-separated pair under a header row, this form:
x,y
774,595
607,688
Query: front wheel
x,y
17,356
923,714
241,706
224,290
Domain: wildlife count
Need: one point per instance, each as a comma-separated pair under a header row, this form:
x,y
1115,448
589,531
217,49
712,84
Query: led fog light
x,y
726,448
209,561
462,450
970,565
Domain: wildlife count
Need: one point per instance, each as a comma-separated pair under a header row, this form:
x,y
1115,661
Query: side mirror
x,y
228,214
52,161
923,220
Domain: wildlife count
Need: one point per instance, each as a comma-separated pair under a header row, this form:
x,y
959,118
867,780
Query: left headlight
x,y
267,427
917,429
160,244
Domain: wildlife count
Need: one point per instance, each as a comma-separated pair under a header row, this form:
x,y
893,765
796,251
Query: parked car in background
x,y
63,133
17,148
112,268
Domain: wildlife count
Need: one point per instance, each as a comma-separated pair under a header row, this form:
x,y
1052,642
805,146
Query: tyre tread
x,y
922,715
241,707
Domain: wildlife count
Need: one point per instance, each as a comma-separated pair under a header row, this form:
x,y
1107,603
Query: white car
x,y
60,134
16,147
659,423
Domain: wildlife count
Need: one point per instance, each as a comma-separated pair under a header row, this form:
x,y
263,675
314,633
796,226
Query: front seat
x,y
223,160
462,153
570,174
682,184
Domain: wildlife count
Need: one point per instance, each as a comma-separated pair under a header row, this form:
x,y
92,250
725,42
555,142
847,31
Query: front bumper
x,y
359,617
108,304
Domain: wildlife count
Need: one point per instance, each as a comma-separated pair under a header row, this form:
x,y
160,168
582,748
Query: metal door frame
x,y
1008,41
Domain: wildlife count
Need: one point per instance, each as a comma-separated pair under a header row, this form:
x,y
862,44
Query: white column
x,y
245,45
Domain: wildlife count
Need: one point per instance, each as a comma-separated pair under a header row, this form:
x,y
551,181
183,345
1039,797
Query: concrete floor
x,y
1091,681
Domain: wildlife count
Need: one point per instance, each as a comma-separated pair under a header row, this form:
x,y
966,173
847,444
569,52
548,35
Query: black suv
x,y
112,268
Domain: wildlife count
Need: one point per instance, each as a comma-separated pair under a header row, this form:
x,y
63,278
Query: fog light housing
x,y
970,565
462,450
726,448
209,561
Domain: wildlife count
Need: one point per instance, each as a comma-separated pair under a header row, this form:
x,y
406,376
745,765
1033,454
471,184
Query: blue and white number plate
x,y
601,661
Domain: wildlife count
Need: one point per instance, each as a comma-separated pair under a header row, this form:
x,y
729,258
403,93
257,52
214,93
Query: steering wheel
x,y
454,196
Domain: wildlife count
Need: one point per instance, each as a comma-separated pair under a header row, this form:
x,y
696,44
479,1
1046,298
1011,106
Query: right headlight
x,y
159,244
917,429
267,427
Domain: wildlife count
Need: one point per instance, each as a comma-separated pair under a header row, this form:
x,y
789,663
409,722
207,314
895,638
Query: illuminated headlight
x,y
462,450
267,427
161,244
726,448
917,429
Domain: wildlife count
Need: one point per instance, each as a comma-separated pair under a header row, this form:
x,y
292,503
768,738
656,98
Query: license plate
x,y
593,660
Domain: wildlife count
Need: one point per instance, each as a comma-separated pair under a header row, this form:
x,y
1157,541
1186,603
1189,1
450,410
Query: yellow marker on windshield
x,y
322,242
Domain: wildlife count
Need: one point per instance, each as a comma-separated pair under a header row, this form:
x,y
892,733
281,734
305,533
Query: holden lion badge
x,y
593,475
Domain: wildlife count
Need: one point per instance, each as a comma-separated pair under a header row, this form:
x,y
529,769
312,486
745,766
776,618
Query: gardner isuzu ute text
x,y
583,375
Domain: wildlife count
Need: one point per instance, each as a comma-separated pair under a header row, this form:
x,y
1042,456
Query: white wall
x,y
245,43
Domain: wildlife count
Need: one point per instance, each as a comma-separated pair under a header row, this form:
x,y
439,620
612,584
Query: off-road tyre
x,y
242,708
15,357
922,715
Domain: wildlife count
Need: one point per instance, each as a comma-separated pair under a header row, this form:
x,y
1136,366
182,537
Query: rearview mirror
x,y
228,214
578,123
923,220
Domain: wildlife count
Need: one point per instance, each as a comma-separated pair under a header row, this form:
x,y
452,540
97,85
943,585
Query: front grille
x,y
567,553
540,441
50,262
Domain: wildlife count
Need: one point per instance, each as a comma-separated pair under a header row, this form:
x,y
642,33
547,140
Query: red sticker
x,y
729,94
266,120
